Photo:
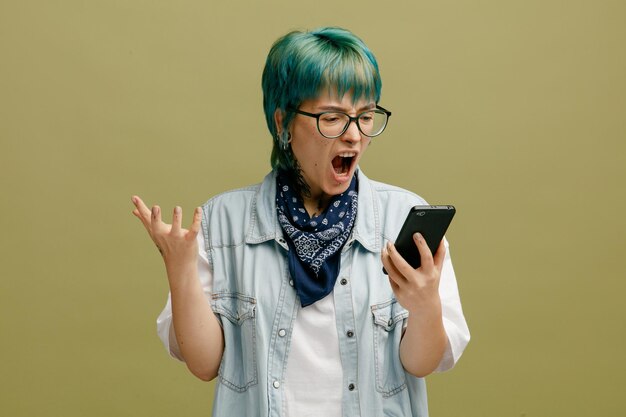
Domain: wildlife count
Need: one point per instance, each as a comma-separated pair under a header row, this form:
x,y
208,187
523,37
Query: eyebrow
x,y
371,106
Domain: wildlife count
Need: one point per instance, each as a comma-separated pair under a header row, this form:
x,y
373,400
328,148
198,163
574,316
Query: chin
x,y
338,188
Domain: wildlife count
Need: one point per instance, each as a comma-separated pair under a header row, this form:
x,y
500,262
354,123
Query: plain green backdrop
x,y
514,111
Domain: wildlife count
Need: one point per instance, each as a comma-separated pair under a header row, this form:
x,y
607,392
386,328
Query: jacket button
x,y
276,384
343,281
282,332
390,322
291,282
351,387
350,333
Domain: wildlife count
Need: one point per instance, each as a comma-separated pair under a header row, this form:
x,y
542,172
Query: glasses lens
x,y
332,125
372,123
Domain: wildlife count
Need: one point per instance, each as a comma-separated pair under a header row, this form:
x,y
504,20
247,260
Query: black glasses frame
x,y
354,119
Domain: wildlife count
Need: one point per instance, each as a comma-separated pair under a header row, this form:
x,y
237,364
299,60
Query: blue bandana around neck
x,y
314,243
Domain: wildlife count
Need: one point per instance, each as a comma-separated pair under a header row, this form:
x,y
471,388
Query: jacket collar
x,y
264,226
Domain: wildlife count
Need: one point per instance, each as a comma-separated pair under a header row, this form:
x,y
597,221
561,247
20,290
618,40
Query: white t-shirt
x,y
314,352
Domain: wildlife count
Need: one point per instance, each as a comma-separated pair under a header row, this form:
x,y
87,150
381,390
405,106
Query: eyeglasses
x,y
332,124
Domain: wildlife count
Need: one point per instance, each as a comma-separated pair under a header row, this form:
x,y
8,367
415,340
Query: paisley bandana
x,y
314,242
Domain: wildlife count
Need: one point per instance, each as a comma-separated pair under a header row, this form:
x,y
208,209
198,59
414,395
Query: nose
x,y
352,133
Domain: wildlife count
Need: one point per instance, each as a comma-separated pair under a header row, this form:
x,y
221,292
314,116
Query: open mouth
x,y
343,162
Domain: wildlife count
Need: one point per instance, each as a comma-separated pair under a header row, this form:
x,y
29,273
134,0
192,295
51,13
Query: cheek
x,y
311,154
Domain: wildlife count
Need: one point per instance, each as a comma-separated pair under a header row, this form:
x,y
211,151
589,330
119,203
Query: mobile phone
x,y
432,222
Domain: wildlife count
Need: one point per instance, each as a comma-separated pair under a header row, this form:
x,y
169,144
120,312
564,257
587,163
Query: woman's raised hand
x,y
416,289
178,246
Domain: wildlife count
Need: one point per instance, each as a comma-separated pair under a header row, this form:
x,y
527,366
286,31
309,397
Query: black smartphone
x,y
432,222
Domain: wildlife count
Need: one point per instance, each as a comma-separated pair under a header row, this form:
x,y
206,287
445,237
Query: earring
x,y
284,144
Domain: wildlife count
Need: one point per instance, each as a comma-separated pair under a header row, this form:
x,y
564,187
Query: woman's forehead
x,y
329,98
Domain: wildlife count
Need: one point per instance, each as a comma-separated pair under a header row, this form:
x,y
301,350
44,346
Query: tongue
x,y
338,165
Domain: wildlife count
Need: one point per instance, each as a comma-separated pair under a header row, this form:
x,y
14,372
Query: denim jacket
x,y
254,300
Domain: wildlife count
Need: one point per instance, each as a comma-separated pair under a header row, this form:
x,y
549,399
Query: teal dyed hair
x,y
301,64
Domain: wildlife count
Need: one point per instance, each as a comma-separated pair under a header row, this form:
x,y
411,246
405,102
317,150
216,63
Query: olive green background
x,y
514,111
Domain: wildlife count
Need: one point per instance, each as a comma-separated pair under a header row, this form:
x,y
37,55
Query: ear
x,y
278,120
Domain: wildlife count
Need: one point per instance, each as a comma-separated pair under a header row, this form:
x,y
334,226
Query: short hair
x,y
301,64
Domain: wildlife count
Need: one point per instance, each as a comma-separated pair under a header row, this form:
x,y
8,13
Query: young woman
x,y
278,288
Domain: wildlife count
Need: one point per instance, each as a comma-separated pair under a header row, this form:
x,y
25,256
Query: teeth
x,y
347,154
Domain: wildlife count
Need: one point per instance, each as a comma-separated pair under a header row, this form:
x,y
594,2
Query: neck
x,y
315,201
315,205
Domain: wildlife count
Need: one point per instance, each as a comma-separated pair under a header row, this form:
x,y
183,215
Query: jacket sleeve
x,y
165,326
453,319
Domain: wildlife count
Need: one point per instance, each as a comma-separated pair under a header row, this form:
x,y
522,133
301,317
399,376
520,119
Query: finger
x,y
426,257
394,286
440,255
146,223
401,265
156,224
392,272
195,223
143,210
177,220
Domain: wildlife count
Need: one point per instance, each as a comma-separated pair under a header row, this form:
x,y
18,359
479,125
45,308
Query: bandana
x,y
314,242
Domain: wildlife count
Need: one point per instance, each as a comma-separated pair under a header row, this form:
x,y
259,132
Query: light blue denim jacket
x,y
256,304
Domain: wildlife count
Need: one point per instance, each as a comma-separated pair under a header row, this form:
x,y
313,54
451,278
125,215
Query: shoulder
x,y
233,217
231,199
240,198
226,216
390,205
391,194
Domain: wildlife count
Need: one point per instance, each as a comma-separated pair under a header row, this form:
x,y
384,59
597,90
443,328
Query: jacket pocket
x,y
237,313
388,318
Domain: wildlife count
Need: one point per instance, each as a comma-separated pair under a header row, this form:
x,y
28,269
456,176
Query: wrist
x,y
178,273
427,311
